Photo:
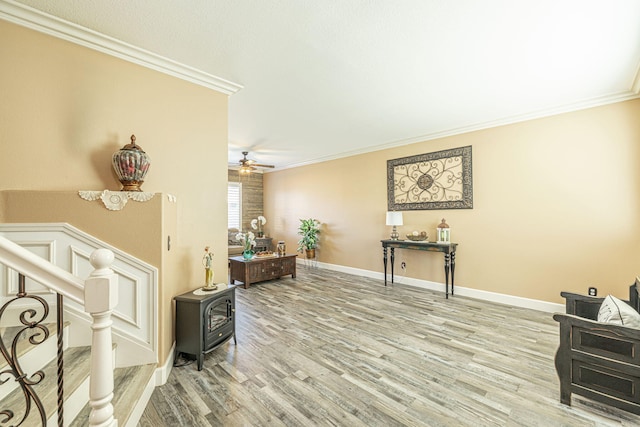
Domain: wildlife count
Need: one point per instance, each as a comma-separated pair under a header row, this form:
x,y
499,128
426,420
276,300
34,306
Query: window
x,y
234,204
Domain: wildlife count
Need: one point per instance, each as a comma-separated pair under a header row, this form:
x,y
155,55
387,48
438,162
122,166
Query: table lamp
x,y
394,218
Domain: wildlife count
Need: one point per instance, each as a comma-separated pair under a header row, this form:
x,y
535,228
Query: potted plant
x,y
248,241
309,230
257,224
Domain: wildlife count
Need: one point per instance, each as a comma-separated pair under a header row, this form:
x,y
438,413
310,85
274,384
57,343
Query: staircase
x,y
93,391
129,388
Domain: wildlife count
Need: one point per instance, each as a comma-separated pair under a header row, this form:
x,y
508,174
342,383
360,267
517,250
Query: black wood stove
x,y
204,321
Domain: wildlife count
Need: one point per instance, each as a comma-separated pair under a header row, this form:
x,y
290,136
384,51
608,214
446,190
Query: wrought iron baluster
x,y
39,333
59,327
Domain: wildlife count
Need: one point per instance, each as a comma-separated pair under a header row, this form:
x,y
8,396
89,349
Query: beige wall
x,y
556,206
144,220
66,109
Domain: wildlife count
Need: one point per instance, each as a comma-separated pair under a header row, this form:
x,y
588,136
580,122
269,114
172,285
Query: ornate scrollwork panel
x,y
35,332
439,180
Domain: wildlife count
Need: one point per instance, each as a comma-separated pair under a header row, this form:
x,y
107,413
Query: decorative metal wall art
x,y
438,180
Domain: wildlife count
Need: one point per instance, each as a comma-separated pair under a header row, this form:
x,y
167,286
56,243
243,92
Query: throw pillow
x,y
616,311
232,241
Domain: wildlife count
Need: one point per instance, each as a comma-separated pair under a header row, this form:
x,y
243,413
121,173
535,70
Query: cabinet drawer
x,y
274,270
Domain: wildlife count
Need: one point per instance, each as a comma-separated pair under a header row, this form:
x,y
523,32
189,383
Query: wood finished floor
x,y
333,349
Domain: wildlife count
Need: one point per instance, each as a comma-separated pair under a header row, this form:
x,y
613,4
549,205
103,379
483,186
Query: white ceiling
x,y
323,79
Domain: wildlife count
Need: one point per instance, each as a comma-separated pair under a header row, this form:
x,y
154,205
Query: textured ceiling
x,y
326,79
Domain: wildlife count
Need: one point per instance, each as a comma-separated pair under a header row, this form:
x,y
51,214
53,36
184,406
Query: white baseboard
x,y
162,372
515,301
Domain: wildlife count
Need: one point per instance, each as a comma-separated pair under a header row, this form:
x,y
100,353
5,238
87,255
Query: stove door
x,y
217,322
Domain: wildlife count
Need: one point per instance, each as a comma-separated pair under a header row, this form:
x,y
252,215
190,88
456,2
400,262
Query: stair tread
x,y
23,346
79,358
128,385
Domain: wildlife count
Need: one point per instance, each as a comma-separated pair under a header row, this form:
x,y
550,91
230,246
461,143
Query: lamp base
x,y
394,234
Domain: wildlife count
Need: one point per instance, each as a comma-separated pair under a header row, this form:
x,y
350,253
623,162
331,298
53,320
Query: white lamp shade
x,y
394,218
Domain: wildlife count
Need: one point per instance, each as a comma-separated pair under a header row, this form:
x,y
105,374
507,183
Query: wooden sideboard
x,y
261,269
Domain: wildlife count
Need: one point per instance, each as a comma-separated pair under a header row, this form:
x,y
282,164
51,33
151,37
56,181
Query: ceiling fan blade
x,y
248,164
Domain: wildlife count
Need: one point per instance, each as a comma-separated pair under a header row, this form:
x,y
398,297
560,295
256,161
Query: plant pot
x,y
311,253
248,254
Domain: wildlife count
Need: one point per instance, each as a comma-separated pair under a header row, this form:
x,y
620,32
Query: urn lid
x,y
132,145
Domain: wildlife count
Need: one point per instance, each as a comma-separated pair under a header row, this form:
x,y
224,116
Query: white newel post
x,y
101,297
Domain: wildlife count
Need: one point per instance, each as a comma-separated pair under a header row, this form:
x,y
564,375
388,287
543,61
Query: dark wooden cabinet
x,y
260,269
204,321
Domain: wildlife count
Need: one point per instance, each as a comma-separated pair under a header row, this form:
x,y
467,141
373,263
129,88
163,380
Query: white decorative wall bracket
x,y
115,200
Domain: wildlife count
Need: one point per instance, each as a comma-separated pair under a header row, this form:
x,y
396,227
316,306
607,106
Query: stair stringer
x,y
129,351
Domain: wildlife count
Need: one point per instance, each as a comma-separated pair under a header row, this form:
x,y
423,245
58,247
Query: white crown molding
x,y
635,86
632,93
37,20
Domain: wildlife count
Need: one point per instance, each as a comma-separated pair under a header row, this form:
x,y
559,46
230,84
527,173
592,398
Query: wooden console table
x,y
449,250
260,269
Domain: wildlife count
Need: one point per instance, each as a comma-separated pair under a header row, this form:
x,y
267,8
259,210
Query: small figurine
x,y
207,261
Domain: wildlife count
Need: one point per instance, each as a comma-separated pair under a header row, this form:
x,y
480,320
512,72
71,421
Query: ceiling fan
x,y
247,165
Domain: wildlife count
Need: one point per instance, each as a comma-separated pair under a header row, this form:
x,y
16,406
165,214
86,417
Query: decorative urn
x,y
131,164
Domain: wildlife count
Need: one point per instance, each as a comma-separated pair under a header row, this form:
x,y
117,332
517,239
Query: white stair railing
x,y
99,297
